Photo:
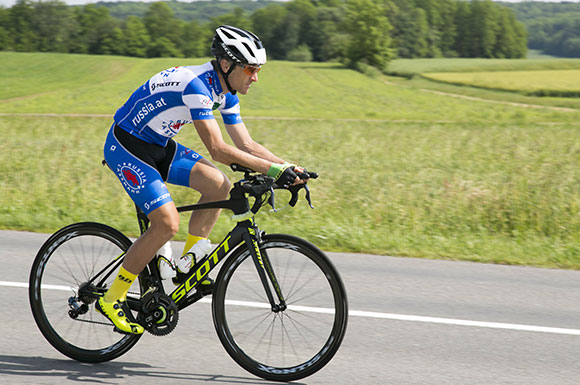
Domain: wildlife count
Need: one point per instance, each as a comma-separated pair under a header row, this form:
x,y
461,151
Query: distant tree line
x,y
193,10
553,28
352,31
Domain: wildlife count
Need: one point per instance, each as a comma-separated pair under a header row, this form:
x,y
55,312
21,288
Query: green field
x,y
403,172
421,66
563,82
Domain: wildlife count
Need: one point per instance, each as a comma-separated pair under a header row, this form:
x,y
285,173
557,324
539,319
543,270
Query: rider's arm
x,y
221,152
242,139
237,130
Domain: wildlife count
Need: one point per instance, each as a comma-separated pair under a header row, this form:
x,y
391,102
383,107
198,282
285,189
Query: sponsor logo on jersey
x,y
168,71
205,101
209,78
157,200
154,86
172,127
188,152
131,176
147,109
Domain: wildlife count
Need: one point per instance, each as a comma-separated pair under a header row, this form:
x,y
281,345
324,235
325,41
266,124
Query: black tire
x,y
67,260
290,344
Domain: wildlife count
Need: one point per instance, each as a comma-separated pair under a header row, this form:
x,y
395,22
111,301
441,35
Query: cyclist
x,y
140,150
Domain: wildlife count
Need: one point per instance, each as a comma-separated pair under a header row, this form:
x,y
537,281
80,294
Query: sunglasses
x,y
250,70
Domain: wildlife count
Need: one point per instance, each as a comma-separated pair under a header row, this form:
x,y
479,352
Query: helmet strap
x,y
225,75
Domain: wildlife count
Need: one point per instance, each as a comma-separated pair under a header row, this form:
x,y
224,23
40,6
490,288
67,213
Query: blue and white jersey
x,y
159,108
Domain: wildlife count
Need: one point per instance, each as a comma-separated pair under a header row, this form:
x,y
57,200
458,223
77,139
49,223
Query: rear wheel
x,y
72,265
292,342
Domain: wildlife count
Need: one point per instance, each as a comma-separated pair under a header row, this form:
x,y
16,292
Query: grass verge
x,y
403,172
492,193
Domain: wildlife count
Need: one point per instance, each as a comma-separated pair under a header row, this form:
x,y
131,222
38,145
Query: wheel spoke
x,y
291,343
299,327
65,262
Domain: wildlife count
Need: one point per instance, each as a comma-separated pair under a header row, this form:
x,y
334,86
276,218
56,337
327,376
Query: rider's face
x,y
242,77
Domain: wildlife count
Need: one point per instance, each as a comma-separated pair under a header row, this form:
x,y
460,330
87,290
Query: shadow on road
x,y
104,373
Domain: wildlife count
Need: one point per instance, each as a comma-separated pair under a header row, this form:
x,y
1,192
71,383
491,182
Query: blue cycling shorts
x,y
143,168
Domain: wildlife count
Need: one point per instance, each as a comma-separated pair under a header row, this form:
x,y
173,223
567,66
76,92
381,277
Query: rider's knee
x,y
224,187
173,228
167,226
168,230
218,187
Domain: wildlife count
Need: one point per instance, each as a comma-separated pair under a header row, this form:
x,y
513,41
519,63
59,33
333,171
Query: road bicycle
x,y
278,303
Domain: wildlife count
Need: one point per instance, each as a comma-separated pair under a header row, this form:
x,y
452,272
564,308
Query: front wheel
x,y
287,344
73,265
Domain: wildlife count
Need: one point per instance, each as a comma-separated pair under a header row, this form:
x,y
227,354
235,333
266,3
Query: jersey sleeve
x,y
197,98
230,110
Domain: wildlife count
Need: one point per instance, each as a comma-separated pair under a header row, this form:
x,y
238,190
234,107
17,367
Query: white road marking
x,y
460,322
13,284
367,314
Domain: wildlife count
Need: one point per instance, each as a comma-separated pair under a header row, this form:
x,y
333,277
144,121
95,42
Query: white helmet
x,y
239,45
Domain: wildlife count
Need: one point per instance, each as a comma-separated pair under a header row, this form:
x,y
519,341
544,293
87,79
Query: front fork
x,y
253,240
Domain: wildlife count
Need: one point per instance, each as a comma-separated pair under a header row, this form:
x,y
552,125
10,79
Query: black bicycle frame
x,y
245,232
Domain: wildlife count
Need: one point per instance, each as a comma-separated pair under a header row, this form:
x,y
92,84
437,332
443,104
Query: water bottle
x,y
165,261
198,251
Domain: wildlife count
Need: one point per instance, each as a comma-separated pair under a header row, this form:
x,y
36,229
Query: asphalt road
x,y
411,322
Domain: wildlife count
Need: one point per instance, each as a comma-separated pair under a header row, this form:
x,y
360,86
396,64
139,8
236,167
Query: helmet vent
x,y
228,34
247,46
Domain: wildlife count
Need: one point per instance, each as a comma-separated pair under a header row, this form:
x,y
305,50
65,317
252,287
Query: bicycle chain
x,y
153,301
93,322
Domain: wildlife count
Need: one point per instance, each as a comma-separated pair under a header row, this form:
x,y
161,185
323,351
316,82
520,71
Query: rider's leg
x,y
164,223
213,186
142,168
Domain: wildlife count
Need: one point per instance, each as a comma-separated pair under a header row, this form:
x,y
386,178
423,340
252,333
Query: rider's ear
x,y
225,64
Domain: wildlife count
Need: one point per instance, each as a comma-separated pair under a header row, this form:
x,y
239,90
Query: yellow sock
x,y
191,240
120,286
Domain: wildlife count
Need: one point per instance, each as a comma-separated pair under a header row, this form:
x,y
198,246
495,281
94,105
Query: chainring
x,y
159,314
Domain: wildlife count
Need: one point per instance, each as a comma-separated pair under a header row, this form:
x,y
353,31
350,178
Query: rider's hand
x,y
299,170
283,174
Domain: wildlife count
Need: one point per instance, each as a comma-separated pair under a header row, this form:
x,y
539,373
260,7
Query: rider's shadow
x,y
106,373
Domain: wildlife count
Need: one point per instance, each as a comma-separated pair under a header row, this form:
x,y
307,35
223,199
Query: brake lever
x,y
308,196
294,190
271,200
